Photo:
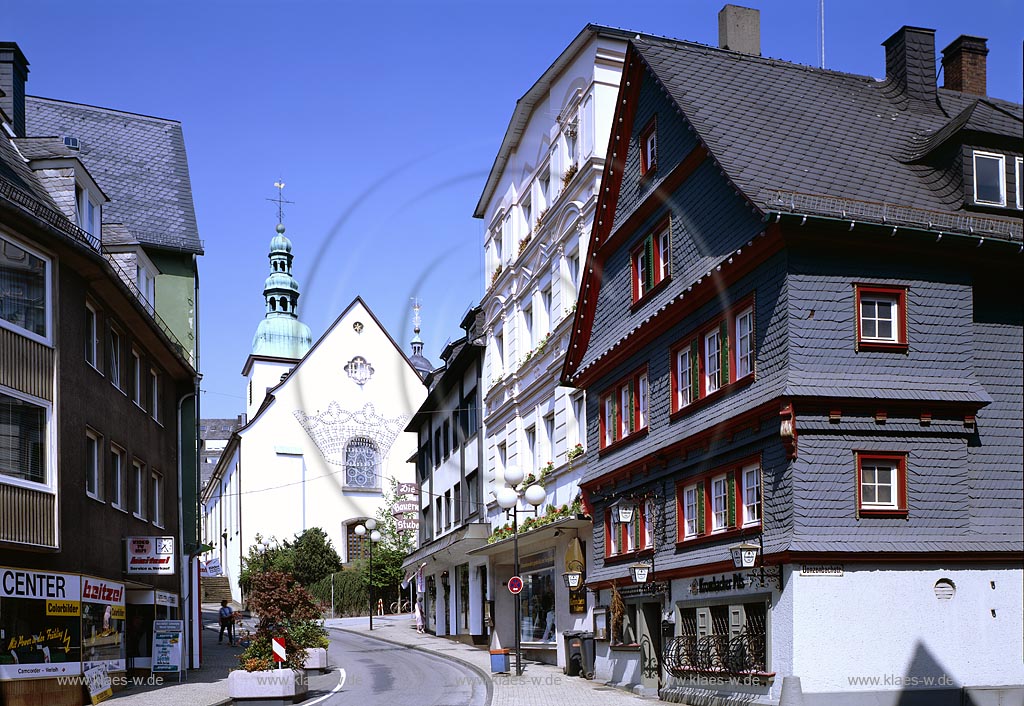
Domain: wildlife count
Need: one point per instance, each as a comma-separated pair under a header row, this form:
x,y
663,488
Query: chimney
x,y
13,75
910,62
739,29
964,65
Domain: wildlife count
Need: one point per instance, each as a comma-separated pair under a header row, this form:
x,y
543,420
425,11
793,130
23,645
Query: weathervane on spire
x,y
416,314
280,200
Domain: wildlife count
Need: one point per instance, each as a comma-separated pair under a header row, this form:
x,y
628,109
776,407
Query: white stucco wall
x,y
878,621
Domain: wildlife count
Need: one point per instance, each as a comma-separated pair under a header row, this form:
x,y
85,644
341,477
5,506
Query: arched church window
x,y
273,304
362,464
284,304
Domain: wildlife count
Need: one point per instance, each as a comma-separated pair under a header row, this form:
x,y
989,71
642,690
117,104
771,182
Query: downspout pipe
x,y
186,580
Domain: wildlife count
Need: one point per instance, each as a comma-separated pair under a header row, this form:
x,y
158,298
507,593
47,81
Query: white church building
x,y
324,431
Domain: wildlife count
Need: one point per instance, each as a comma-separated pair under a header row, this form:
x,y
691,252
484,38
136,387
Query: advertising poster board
x,y
149,555
40,624
103,624
98,682
167,636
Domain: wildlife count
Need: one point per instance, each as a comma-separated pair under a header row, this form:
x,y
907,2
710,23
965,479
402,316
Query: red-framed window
x,y
719,501
650,260
881,317
649,147
719,354
633,536
881,483
624,408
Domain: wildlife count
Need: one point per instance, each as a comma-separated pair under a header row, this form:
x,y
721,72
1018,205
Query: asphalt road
x,y
381,673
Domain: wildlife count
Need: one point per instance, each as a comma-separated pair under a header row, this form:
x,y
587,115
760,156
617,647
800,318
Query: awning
x,y
461,541
527,540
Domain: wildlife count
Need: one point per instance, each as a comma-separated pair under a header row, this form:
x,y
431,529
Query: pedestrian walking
x,y
227,622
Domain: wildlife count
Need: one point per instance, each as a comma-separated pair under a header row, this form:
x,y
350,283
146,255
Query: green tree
x,y
285,609
389,552
260,559
312,556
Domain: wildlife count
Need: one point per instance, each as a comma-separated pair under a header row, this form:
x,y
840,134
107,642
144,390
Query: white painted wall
x,y
883,620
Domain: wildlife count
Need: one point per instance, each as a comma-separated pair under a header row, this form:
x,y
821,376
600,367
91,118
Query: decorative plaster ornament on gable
x,y
332,429
359,370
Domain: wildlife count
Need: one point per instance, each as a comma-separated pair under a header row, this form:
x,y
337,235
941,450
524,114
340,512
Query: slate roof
x,y
140,163
777,127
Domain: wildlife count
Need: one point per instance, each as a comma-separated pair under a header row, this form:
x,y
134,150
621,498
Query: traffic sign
x,y
515,584
279,654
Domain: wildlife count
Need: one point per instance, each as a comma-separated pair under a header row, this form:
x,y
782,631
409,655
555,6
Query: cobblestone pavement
x,y
540,684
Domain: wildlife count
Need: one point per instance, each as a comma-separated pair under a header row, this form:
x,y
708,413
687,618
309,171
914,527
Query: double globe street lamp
x,y
370,525
508,500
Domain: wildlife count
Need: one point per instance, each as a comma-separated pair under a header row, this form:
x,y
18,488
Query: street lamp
x,y
371,525
574,576
744,555
508,500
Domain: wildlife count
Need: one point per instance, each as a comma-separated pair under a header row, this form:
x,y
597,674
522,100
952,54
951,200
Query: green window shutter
x,y
700,508
615,418
724,335
730,482
649,254
632,408
695,370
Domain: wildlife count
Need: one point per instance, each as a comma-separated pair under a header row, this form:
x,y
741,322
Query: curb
x,y
485,677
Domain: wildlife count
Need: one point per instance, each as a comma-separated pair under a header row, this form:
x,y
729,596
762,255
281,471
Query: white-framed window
x,y
690,511
136,377
139,489
572,264
146,282
664,251
544,189
530,457
544,321
878,317
500,462
89,210
609,415
878,487
549,438
527,210
751,495
712,361
1019,170
528,328
92,336
154,394
744,343
24,291
114,358
117,477
989,179
719,503
684,380
641,405
25,440
579,416
498,357
156,494
93,477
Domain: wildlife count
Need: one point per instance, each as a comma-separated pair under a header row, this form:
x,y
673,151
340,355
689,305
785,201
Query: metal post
x,y
515,596
371,584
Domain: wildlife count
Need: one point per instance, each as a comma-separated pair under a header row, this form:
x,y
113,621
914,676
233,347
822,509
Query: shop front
x,y
547,606
56,625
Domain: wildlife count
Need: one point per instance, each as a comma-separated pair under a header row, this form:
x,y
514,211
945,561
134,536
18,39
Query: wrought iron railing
x,y
741,654
17,196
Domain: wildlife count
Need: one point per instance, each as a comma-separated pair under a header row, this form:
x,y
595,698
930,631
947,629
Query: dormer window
x,y
1020,187
88,211
989,179
649,147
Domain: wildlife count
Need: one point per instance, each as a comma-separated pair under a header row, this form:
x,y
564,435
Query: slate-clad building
x,y
799,337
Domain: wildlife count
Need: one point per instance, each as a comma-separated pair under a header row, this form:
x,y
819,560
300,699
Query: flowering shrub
x,y
575,452
531,523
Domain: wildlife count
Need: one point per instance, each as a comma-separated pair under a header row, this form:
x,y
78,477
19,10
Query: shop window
x,y
726,637
537,599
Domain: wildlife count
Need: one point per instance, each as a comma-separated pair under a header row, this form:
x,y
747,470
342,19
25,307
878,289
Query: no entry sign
x,y
279,654
515,584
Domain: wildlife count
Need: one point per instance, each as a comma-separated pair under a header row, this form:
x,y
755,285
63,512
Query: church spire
x,y
421,364
281,334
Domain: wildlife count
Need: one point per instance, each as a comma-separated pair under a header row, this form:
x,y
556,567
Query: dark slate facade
x,y
796,191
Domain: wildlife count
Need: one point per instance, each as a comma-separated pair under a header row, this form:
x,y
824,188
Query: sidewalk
x,y
207,686
540,685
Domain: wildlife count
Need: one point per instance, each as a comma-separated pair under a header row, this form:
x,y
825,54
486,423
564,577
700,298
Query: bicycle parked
x,y
402,606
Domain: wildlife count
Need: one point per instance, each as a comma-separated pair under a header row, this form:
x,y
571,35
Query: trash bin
x,y
499,661
573,653
587,654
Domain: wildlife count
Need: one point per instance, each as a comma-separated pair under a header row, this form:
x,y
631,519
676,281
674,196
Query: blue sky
x,y
383,119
